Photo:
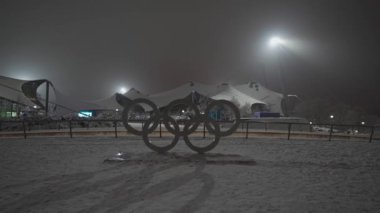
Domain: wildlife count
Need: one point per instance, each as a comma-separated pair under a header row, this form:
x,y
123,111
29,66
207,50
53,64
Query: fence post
x,y
24,128
115,124
71,131
331,131
266,127
246,130
160,129
372,131
204,130
289,129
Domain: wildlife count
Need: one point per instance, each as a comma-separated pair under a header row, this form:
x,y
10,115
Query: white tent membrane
x,y
242,95
240,99
111,102
270,98
10,89
164,98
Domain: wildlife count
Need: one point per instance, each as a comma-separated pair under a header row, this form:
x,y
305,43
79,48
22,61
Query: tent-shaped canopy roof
x,y
164,98
229,93
242,95
11,89
271,98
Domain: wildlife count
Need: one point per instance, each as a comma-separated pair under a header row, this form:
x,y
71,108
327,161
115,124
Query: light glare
x,y
276,41
123,90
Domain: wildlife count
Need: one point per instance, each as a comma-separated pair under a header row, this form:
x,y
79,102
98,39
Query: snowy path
x,y
70,175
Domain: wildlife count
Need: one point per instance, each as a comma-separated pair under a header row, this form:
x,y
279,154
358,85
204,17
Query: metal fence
x,y
248,129
328,132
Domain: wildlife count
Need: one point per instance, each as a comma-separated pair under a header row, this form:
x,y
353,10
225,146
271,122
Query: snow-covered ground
x,y
256,175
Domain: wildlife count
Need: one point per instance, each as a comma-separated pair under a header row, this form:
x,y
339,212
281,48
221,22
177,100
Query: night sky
x,y
92,48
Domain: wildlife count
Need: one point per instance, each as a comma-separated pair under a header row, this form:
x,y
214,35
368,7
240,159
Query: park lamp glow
x,y
363,123
276,41
123,90
332,116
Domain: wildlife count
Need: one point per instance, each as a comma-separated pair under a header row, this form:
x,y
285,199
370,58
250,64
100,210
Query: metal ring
x,y
155,115
194,121
203,149
190,125
159,149
233,108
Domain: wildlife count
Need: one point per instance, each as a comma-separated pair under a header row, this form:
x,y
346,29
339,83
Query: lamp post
x,y
332,119
276,42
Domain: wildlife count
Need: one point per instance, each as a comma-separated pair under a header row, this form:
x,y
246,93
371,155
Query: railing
x,y
248,128
305,130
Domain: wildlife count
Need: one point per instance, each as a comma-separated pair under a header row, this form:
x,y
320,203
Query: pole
x,y
372,131
160,129
47,99
71,132
204,130
115,124
331,131
23,125
289,129
283,86
246,131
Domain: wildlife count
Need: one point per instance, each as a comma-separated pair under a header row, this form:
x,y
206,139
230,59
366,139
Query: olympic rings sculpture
x,y
173,127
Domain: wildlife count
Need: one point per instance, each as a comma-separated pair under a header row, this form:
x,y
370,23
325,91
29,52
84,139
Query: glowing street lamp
x,y
332,116
123,90
276,42
362,122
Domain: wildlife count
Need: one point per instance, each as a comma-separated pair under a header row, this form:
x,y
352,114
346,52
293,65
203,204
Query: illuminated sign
x,y
85,114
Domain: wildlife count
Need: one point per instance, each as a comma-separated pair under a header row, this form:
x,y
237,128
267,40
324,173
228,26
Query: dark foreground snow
x,y
255,175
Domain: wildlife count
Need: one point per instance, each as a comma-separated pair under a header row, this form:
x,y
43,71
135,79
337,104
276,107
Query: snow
x,y
71,175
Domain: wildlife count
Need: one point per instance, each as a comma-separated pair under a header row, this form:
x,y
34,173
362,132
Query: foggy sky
x,y
90,49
